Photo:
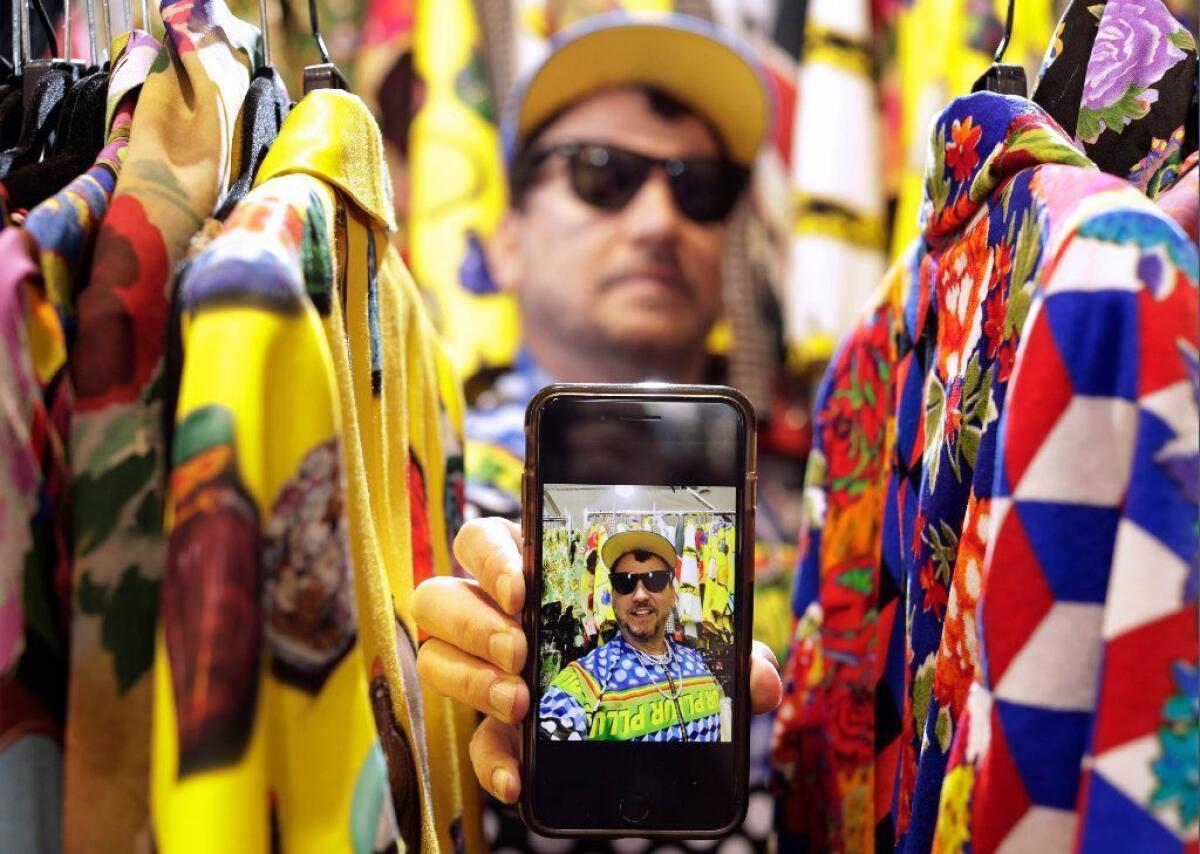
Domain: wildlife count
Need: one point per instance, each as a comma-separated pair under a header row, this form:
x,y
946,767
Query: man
x,y
627,150
601,696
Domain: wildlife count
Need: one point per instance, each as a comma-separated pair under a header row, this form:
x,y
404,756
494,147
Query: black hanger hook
x,y
1008,30
316,31
1004,77
326,74
49,27
266,32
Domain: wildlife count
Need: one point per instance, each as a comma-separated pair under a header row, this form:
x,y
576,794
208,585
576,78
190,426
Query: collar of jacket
x,y
134,54
332,136
977,143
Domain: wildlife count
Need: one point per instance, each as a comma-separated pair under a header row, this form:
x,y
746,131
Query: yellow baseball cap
x,y
619,545
693,60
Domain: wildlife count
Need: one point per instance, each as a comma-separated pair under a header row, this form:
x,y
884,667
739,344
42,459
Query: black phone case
x,y
530,616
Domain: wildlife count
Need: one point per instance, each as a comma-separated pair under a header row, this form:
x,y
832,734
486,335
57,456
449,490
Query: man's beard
x,y
656,633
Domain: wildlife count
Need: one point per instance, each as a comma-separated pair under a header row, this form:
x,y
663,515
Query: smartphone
x,y
638,528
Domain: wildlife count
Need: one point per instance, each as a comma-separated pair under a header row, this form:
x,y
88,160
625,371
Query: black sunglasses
x,y
705,189
655,581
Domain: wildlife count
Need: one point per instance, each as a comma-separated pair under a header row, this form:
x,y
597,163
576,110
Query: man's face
x,y
643,281
642,615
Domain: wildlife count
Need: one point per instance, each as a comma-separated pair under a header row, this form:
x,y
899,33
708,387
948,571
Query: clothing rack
x,y
705,515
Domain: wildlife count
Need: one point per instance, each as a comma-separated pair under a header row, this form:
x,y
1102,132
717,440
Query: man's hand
x,y
477,648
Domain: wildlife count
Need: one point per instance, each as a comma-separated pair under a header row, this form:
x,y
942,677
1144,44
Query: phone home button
x,y
634,808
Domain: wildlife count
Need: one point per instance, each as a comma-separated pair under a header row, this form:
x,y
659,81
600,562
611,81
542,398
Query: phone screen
x,y
639,643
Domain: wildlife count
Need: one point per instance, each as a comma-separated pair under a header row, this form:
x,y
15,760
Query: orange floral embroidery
x,y
961,155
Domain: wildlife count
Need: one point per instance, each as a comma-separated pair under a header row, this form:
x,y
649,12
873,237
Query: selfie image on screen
x,y
637,627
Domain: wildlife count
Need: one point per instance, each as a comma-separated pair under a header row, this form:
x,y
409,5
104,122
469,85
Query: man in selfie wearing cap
x,y
641,685
627,149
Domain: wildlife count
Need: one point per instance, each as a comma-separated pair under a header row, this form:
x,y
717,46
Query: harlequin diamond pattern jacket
x,y
996,640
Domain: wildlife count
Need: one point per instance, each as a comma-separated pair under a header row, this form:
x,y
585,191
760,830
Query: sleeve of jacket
x,y
826,713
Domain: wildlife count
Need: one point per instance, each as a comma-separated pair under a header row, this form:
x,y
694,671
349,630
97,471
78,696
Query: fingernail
x,y
500,646
503,695
501,782
504,589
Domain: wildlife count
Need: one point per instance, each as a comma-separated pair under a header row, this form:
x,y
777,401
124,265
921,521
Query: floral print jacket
x,y
1000,521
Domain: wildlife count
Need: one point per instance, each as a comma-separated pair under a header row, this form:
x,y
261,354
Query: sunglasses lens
x,y
656,581
706,190
607,177
626,582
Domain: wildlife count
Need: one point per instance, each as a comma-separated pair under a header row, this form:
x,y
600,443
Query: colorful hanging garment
x,y
899,505
941,47
1130,110
259,559
718,581
602,605
44,263
52,248
324,200
176,168
688,604
838,240
435,424
1081,727
1138,793
456,185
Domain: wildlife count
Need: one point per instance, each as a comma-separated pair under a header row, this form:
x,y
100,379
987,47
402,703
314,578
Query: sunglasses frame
x,y
673,167
640,578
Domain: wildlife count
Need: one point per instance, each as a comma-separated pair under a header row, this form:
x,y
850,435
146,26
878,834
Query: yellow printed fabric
x,y
435,489
395,411
457,188
541,19
603,614
719,552
262,721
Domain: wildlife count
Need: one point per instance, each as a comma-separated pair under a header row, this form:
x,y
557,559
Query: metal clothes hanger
x,y
78,135
324,75
13,62
11,90
262,114
93,31
1005,78
100,47
44,84
81,124
36,68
